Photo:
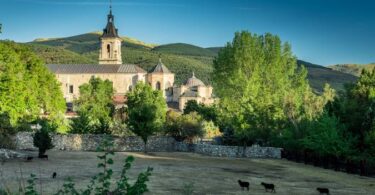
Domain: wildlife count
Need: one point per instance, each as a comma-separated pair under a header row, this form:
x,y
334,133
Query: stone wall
x,y
89,142
229,151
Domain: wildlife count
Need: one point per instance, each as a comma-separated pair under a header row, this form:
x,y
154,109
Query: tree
x,y
146,111
184,127
95,106
27,87
42,139
261,89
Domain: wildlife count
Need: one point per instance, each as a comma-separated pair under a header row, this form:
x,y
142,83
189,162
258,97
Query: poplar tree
x,y
146,111
261,88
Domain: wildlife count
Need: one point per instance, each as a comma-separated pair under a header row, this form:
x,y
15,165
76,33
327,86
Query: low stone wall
x,y
229,151
89,142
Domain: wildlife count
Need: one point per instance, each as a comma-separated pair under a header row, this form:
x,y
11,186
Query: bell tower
x,y
110,43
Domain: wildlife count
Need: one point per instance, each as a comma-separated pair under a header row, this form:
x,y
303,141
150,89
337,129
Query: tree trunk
x,y
145,142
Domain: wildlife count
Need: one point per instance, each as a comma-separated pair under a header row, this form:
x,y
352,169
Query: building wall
x,y
166,81
121,82
114,56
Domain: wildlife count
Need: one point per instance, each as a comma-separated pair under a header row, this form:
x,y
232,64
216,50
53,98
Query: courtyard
x,y
173,172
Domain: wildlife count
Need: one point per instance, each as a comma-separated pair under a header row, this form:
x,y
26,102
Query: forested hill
x,y
180,58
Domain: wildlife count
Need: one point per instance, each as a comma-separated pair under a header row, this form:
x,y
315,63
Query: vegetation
x,y
184,127
95,107
27,88
184,49
261,89
146,111
42,139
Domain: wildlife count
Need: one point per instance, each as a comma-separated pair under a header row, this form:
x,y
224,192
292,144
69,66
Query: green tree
x,y
146,111
95,106
27,87
261,88
184,127
42,139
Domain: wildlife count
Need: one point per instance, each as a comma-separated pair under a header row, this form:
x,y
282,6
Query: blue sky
x,y
320,31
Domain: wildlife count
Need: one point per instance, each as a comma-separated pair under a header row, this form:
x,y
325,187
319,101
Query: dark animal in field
x,y
54,175
323,190
43,156
244,184
269,186
29,158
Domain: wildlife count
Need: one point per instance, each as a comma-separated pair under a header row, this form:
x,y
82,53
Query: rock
x,y
11,154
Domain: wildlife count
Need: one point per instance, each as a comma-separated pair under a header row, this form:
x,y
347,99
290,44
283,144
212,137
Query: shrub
x,y
42,140
6,132
210,130
184,127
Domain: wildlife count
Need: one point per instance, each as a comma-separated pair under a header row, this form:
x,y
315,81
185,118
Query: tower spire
x,y
110,7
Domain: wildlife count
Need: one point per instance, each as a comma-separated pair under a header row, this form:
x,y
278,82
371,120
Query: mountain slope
x,y
354,69
184,49
182,59
319,75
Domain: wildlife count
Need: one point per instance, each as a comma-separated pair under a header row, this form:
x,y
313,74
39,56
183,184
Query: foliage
x,y
6,131
42,139
146,111
30,188
184,127
27,87
95,107
210,129
209,113
261,89
356,110
326,137
188,188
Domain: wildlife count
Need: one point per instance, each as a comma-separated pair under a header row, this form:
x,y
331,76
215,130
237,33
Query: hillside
x,y
184,49
319,75
180,58
354,69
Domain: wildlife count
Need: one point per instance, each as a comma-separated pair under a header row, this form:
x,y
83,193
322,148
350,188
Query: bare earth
x,y
210,175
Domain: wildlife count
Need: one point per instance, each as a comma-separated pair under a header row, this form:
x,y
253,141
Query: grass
x,y
178,173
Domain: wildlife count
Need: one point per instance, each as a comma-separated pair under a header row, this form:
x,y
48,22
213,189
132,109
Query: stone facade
x,y
229,151
122,82
87,142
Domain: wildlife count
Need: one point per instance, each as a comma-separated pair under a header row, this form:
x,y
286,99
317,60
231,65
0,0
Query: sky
x,y
323,32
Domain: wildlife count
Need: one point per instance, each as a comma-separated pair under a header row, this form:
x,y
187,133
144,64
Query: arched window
x,y
109,50
158,85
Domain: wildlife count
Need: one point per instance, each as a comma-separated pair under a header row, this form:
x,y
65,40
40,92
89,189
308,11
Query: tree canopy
x,y
27,87
146,111
94,106
261,88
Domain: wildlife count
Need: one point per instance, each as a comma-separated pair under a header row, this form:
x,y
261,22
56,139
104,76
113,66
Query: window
x,y
158,85
71,89
109,50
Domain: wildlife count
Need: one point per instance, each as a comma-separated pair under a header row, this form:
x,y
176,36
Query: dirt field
x,y
172,171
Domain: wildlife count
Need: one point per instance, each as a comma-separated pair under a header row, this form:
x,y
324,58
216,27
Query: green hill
x,y
354,69
184,49
180,58
319,75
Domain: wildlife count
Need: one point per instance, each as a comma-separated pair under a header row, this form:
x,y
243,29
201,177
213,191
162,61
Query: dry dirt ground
x,y
209,175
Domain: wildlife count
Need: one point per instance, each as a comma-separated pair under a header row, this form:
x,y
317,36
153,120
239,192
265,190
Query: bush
x,y
184,127
210,130
42,139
